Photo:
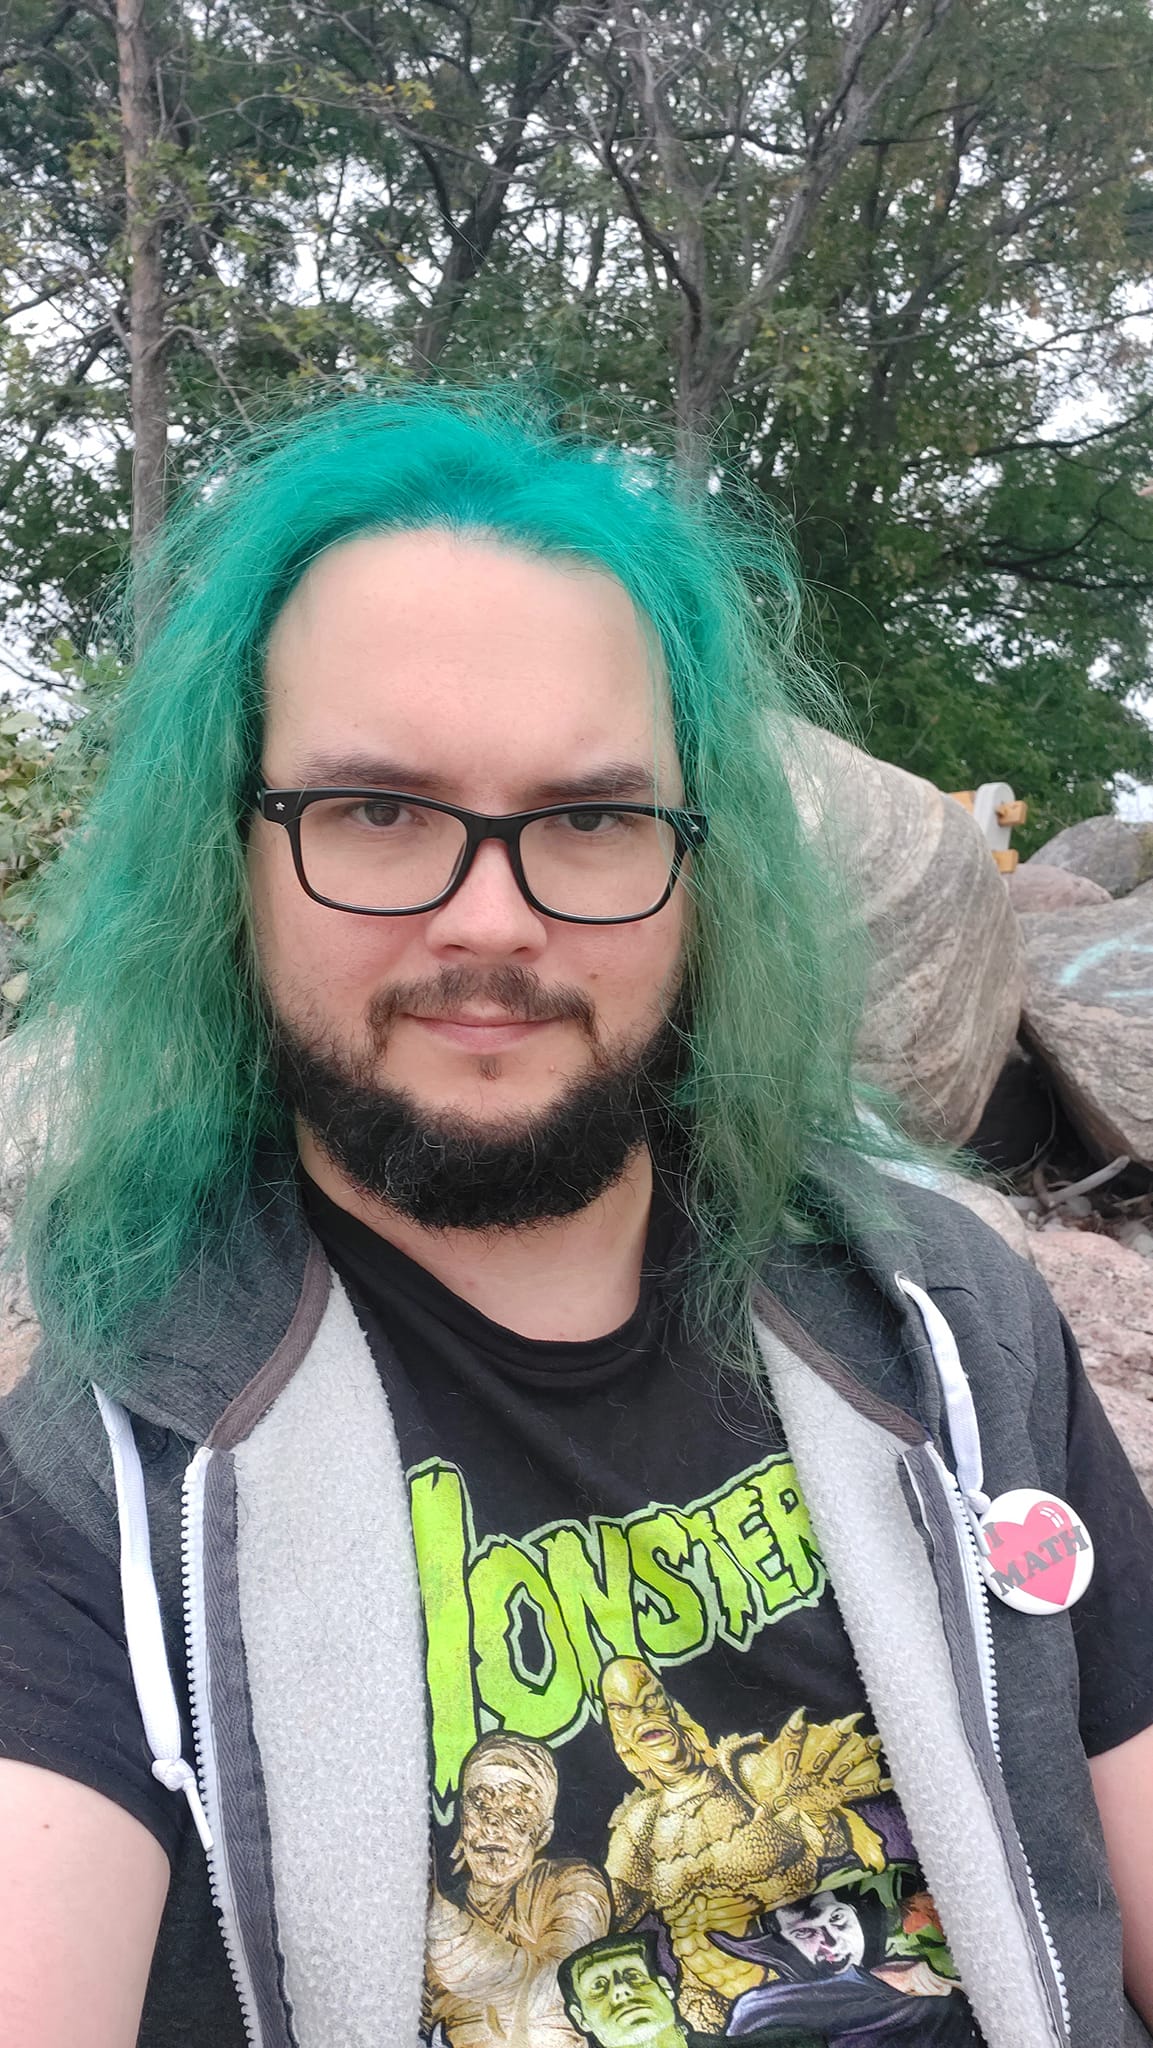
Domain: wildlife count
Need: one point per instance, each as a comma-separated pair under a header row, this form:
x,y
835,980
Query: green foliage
x,y
49,768
944,384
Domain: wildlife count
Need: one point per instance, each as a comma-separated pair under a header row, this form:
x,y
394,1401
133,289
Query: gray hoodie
x,y
261,1493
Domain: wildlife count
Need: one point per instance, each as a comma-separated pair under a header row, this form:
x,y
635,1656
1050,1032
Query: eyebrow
x,y
626,781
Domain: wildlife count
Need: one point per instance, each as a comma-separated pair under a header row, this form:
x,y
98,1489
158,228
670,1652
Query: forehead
x,y
811,1912
465,660
497,1776
634,1688
608,1966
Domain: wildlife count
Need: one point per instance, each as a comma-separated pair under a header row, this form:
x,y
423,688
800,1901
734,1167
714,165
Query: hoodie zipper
x,y
962,1503
196,1641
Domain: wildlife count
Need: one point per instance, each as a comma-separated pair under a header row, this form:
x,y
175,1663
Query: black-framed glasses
x,y
381,853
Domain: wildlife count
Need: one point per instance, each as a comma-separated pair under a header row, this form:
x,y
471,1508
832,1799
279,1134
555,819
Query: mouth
x,y
481,1031
655,1732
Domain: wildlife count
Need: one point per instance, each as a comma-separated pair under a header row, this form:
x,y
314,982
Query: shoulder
x,y
55,1446
976,1273
554,1881
55,1450
632,1821
844,1290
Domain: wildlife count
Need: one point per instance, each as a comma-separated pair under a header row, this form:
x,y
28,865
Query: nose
x,y
488,916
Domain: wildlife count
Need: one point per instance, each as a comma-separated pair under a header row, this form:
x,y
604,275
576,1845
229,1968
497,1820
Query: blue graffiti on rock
x,y
1095,955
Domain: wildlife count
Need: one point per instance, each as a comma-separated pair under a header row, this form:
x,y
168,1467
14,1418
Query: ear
x,y
544,1833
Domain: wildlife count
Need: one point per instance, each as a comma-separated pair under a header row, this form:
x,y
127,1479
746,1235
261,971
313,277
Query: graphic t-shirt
x,y
661,1810
606,1519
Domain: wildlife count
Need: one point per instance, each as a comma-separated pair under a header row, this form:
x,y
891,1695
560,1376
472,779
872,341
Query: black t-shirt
x,y
636,1666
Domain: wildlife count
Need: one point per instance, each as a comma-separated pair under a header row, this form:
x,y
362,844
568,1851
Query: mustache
x,y
515,989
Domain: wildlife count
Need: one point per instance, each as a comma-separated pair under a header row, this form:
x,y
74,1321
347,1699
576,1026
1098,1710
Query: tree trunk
x,y
149,396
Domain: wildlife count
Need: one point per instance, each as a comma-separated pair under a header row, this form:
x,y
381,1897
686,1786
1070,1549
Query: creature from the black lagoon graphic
x,y
718,1834
491,1963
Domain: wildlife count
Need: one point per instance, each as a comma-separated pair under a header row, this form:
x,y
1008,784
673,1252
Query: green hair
x,y
149,1067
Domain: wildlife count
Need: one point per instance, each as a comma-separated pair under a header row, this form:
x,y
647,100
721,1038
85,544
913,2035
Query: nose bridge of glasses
x,y
482,832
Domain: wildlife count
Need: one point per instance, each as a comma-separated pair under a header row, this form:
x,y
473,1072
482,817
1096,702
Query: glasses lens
x,y
592,863
378,852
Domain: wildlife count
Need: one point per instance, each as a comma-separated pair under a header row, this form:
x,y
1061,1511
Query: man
x,y
619,1997
523,1912
461,1266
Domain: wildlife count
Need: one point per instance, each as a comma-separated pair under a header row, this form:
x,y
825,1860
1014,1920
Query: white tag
x,y
1037,1554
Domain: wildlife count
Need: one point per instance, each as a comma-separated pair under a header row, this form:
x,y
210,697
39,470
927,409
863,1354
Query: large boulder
x,y
1114,852
947,982
1036,887
1089,1013
1106,1293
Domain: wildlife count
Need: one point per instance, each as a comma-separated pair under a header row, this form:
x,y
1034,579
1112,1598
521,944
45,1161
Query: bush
x,y
49,765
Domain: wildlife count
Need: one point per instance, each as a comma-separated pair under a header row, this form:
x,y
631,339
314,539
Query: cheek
x,y
309,953
631,969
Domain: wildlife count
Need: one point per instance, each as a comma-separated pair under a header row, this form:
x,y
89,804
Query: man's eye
x,y
594,824
382,812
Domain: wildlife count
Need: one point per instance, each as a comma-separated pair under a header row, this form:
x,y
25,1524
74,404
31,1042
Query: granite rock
x,y
1105,1292
1088,1012
1038,887
946,988
1115,852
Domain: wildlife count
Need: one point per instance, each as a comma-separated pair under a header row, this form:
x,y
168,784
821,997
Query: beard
x,y
446,1171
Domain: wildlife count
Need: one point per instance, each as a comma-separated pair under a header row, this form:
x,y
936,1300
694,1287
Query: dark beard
x,y
445,1173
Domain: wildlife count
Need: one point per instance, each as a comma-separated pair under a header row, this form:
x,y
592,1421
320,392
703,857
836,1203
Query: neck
x,y
563,1281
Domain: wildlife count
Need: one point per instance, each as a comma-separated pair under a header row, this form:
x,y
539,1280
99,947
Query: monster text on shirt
x,y
519,1632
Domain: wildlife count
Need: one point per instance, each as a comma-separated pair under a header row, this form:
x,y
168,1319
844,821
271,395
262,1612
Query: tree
x,y
880,258
146,330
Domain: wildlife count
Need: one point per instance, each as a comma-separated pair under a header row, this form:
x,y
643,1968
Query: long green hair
x,y
145,1047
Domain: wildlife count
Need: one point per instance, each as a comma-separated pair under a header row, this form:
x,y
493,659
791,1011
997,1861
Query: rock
x,y
1037,887
1115,852
993,1208
19,1335
1105,1292
19,1329
1136,1237
1089,1013
946,989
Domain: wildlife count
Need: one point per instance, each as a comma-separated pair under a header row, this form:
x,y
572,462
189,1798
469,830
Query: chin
x,y
490,1096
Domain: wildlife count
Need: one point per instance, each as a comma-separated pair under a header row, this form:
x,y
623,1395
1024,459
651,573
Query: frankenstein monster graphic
x,y
718,1834
491,1962
617,1994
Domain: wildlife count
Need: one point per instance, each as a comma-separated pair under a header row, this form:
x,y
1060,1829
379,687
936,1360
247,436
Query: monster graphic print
x,y
685,1880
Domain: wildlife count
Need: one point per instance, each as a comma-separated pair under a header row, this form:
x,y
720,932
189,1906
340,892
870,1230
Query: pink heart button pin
x,y
1037,1554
